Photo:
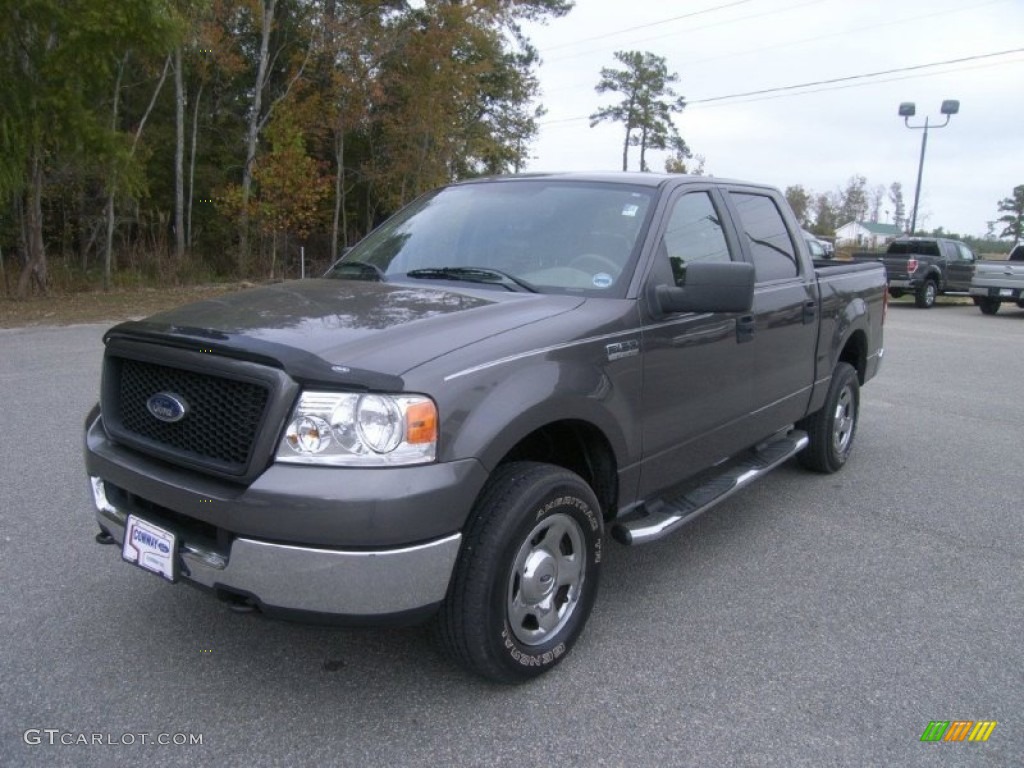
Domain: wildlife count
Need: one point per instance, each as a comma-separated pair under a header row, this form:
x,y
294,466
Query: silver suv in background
x,y
819,249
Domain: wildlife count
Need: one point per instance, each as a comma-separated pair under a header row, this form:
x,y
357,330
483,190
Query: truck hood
x,y
343,325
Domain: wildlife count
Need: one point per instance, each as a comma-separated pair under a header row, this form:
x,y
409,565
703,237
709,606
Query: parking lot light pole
x,y
907,110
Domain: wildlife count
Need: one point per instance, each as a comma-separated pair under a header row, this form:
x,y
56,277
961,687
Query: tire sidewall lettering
x,y
573,502
530,659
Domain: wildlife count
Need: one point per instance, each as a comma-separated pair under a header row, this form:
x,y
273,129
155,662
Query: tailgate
x,y
896,267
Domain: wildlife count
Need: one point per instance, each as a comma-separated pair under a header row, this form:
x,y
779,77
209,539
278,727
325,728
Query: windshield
x,y
543,235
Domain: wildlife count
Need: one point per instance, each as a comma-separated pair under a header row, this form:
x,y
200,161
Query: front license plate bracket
x,y
151,547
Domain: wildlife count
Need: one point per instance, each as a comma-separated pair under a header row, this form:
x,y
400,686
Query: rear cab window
x,y
914,248
769,240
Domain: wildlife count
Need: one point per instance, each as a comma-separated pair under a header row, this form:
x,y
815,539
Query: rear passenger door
x,y
782,330
960,267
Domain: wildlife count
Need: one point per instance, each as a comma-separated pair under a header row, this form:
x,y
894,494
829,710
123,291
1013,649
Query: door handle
x,y
810,311
744,329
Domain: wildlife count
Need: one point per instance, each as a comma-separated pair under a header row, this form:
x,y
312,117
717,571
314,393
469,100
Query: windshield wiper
x,y
474,275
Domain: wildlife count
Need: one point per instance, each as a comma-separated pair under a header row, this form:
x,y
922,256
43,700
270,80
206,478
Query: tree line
x,y
824,212
192,139
185,138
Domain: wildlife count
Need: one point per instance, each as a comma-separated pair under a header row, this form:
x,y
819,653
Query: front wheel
x,y
527,576
831,430
896,293
925,295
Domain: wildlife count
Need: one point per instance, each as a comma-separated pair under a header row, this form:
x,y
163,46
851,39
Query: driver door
x,y
696,374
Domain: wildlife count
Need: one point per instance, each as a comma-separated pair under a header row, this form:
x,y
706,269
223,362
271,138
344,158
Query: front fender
x,y
500,409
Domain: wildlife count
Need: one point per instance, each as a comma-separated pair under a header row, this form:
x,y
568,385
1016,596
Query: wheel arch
x,y
578,446
572,416
855,352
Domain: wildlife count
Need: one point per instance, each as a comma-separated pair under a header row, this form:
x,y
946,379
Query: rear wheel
x,y
831,430
925,295
988,306
527,576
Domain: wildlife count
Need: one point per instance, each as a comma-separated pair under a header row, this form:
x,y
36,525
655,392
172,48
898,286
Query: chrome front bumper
x,y
362,584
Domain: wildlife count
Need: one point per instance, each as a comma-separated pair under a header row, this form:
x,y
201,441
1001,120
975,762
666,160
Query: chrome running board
x,y
662,517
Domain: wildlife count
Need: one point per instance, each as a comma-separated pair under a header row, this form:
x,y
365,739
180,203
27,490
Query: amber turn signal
x,y
421,423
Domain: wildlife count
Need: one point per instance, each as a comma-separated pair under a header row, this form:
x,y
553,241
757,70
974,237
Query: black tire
x,y
527,576
987,306
832,429
896,293
924,296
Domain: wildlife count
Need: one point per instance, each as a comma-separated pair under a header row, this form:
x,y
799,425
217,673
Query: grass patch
x,y
69,308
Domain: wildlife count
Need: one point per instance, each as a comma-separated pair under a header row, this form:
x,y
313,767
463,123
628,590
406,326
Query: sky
x,y
816,136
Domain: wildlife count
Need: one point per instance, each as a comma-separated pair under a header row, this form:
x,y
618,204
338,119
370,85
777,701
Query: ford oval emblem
x,y
167,407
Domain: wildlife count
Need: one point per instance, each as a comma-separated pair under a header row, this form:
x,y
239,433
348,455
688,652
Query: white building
x,y
866,234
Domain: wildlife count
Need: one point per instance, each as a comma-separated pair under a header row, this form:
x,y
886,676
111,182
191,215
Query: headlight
x,y
350,429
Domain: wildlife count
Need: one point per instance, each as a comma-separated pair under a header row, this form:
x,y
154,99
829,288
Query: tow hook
x,y
238,603
105,538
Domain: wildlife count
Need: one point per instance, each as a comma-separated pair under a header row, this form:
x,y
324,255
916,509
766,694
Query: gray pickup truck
x,y
998,282
447,424
925,267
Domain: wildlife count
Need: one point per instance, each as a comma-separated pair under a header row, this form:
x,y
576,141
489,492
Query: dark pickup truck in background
x,y
448,422
925,267
998,282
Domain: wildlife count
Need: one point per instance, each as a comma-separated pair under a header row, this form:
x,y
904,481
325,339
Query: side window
x,y
965,253
770,244
694,233
949,250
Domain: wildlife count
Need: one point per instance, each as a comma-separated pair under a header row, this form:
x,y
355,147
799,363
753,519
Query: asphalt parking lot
x,y
808,621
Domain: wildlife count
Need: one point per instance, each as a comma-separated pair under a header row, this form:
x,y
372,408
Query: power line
x,y
724,22
792,43
843,33
859,84
787,89
645,26
854,77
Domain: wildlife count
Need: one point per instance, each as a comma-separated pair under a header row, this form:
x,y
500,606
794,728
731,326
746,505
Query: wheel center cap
x,y
539,576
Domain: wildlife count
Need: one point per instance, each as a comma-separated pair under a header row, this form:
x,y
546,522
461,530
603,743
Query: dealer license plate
x,y
1006,292
151,547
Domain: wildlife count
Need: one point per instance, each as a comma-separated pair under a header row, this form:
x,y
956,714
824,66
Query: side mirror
x,y
710,287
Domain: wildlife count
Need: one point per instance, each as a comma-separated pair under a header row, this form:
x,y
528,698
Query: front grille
x,y
219,428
